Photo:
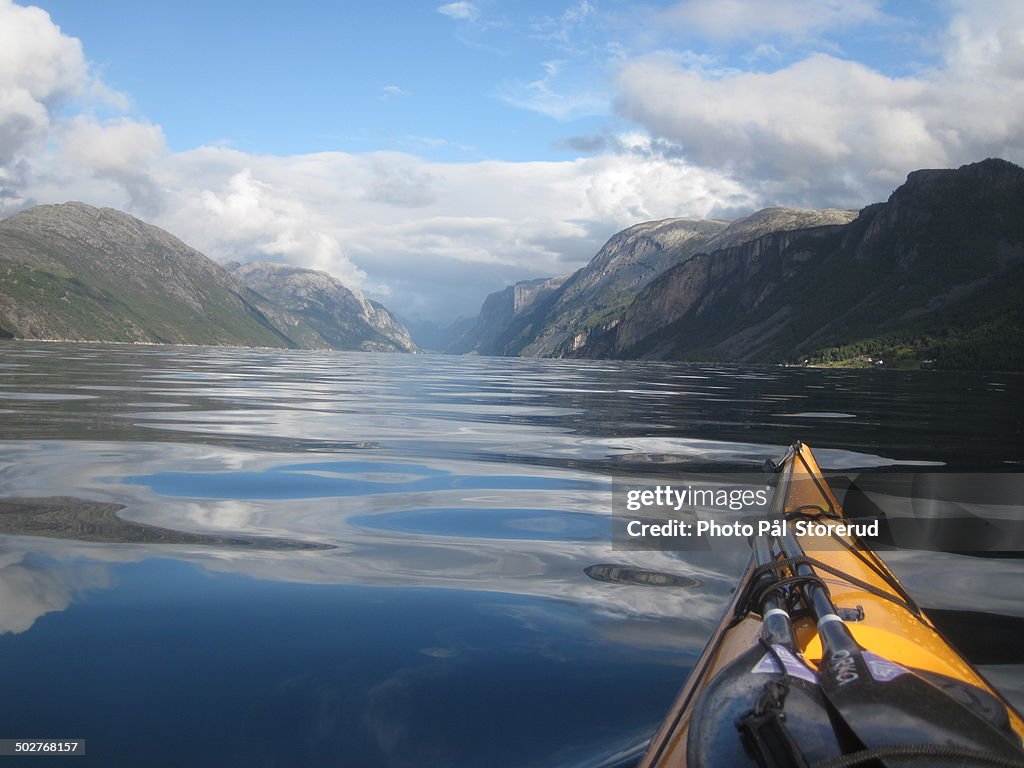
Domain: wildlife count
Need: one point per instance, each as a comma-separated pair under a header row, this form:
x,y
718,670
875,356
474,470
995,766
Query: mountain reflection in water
x,y
252,557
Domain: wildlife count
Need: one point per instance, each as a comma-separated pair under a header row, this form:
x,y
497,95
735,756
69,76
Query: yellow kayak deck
x,y
888,627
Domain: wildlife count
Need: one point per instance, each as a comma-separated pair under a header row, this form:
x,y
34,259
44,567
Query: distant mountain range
x,y
77,272
933,276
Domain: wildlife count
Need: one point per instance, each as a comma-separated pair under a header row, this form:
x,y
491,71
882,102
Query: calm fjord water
x,y
267,558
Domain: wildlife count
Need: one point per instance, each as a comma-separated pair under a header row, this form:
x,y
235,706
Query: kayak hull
x,y
889,624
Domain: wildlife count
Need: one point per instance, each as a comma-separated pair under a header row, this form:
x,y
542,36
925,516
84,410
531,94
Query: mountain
x,y
340,317
770,220
935,273
605,286
500,316
564,315
76,272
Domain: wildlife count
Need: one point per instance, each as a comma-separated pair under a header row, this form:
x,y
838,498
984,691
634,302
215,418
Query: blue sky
x,y
315,76
431,152
312,76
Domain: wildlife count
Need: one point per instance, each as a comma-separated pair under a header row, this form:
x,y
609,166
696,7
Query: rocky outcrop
x,y
341,317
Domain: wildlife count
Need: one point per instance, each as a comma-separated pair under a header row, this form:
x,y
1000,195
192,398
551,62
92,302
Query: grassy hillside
x,y
81,273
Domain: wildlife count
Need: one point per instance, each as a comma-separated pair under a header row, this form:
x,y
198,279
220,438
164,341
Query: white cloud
x,y
561,29
826,130
246,218
459,10
121,150
439,234
39,69
732,19
402,183
764,51
392,90
705,141
29,591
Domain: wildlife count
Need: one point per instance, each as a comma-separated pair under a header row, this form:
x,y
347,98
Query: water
x,y
268,558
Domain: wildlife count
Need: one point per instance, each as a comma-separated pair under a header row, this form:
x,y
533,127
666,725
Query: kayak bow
x,y
823,659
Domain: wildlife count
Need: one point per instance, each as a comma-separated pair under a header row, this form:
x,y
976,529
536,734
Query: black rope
x,y
932,751
885,576
754,593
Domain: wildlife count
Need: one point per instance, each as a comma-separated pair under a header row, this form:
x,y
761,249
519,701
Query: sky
x,y
429,153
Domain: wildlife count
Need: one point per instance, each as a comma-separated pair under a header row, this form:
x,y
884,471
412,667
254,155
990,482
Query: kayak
x,y
823,659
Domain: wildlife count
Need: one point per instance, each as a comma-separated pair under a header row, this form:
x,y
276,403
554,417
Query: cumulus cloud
x,y
39,70
827,130
416,226
121,150
401,183
459,10
245,218
435,236
702,141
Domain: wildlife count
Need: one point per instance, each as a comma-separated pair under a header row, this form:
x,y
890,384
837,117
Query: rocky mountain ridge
x,y
343,318
560,321
936,273
76,272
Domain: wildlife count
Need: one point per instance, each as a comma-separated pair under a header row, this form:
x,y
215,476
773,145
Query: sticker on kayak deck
x,y
881,669
794,667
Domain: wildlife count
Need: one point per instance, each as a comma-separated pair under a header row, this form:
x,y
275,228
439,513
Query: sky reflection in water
x,y
446,617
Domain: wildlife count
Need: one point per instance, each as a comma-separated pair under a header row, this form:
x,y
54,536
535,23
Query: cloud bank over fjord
x,y
431,238
827,130
689,137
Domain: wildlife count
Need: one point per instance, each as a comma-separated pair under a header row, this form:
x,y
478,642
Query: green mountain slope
x,y
76,272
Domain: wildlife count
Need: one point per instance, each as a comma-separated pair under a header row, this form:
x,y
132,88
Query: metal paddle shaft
x,y
883,703
776,627
767,694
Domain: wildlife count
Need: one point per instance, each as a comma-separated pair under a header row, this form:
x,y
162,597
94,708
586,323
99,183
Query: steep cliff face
x,y
586,339
603,288
340,317
936,271
566,317
76,272
501,312
742,276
